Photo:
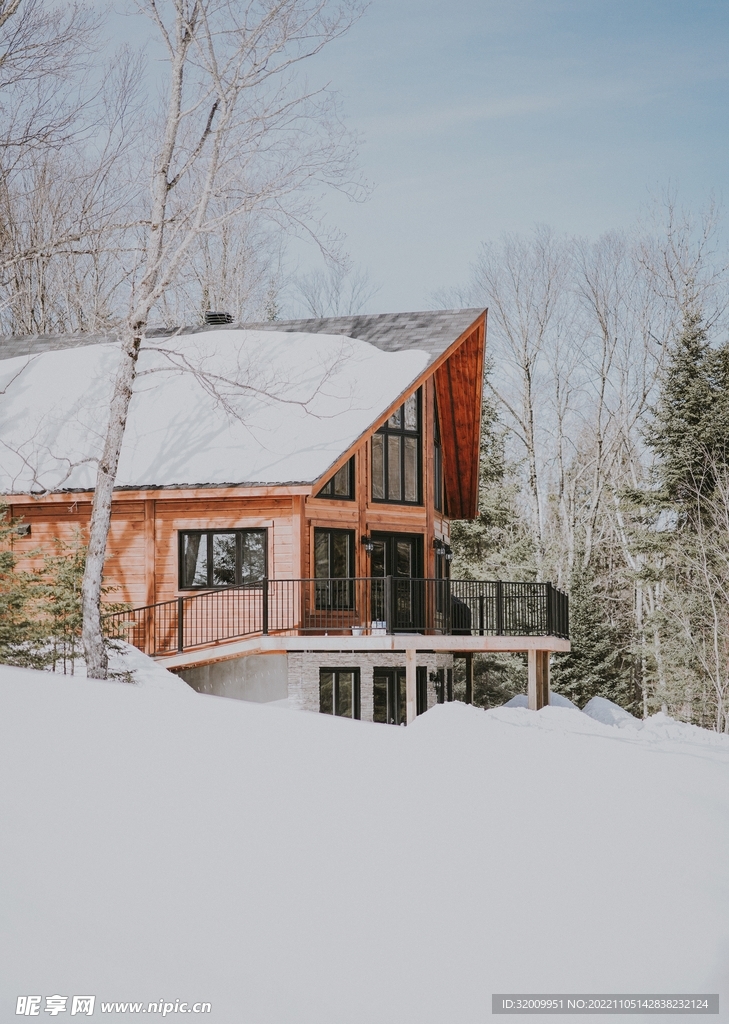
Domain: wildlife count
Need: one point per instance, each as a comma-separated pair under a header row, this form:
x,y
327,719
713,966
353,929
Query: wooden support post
x,y
532,690
469,677
411,686
538,675
545,678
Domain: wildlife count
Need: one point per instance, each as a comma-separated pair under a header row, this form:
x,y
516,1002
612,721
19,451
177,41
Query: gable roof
x,y
207,409
430,331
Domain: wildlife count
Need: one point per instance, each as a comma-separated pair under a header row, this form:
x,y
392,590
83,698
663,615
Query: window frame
x,y
356,692
208,534
386,432
328,597
349,466
438,483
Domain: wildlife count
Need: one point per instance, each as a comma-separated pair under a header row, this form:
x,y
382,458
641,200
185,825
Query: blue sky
x,y
484,116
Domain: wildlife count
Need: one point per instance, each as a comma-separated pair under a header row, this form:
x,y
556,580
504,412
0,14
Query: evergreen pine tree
x,y
21,629
598,665
690,426
497,544
61,605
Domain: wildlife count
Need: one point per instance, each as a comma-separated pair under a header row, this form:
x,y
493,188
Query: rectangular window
x,y
422,690
437,464
341,485
222,558
396,456
334,562
339,692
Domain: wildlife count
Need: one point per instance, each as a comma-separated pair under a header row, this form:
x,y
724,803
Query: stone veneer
x,y
304,666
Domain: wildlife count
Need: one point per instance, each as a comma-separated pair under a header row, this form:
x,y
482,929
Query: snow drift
x,y
287,867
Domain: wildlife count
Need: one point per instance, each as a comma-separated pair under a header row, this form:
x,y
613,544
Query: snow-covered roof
x,y
238,406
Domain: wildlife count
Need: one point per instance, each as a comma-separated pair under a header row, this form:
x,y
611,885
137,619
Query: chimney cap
x,y
214,317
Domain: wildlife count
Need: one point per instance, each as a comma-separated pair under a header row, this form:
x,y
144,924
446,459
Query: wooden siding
x,y
459,383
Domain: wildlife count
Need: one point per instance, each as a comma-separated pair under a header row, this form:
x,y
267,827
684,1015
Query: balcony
x,y
364,607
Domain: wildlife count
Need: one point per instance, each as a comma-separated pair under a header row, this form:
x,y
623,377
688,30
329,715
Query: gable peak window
x,y
396,455
341,485
438,495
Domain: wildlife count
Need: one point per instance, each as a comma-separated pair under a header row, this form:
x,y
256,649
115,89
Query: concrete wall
x,y
304,674
257,677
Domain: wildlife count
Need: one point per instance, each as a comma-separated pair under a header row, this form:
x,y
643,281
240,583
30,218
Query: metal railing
x,y
344,607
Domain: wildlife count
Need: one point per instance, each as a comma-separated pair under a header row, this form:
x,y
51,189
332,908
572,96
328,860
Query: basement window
x,y
339,692
222,558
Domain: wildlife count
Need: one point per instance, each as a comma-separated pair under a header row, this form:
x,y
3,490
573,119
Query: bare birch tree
x,y
238,133
523,283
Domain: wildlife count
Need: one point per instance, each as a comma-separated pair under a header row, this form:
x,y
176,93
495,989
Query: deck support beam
x,y
538,675
411,675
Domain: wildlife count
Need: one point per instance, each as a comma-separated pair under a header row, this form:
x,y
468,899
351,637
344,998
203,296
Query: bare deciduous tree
x,y
238,133
339,291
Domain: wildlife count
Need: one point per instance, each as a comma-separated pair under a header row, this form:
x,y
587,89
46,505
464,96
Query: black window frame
x,y
209,534
356,692
387,431
330,496
438,483
421,690
329,595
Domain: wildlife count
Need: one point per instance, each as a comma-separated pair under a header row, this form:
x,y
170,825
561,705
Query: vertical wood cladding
x,y
459,385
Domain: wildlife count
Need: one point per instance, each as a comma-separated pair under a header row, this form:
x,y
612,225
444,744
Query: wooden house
x,y
281,522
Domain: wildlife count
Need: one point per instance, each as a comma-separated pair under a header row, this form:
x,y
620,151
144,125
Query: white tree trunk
x,y
93,639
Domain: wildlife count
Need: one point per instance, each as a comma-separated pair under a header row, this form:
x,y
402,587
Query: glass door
x,y
399,556
388,693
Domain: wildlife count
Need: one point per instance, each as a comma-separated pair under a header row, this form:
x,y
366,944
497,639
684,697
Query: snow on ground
x,y
159,844
556,700
283,418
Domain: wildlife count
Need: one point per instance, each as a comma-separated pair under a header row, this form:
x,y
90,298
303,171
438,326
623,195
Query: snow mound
x,y
657,728
605,711
556,700
144,671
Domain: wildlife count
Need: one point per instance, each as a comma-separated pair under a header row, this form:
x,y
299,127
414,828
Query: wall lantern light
x,y
442,550
368,544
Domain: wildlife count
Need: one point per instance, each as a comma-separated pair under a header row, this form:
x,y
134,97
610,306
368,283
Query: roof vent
x,y
215,318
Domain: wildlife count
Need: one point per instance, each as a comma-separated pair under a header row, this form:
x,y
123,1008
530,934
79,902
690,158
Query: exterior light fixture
x,y
448,555
440,548
368,544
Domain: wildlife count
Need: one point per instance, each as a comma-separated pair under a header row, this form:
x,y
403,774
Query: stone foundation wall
x,y
304,669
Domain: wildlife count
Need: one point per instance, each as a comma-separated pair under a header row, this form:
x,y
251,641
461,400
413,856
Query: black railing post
x,y
180,624
499,608
388,604
481,615
550,622
264,596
